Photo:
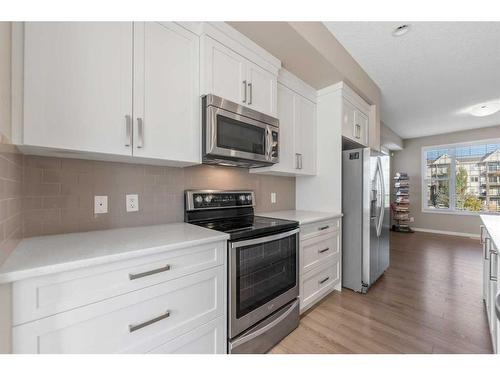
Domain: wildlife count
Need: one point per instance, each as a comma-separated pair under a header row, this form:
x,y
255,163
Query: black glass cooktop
x,y
248,226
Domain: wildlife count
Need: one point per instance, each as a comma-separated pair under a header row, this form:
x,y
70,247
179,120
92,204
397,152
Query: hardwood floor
x,y
428,301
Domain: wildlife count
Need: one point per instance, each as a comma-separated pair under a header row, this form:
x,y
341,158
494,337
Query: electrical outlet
x,y
273,198
100,204
132,202
412,219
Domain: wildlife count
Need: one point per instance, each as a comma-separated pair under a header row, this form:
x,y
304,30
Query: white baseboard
x,y
449,233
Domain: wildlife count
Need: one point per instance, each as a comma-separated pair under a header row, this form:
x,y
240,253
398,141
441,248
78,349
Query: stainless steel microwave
x,y
235,135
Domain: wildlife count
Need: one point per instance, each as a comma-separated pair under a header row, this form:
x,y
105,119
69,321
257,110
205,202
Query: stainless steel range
x,y
262,267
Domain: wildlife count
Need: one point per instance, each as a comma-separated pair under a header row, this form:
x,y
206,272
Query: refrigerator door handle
x,y
382,198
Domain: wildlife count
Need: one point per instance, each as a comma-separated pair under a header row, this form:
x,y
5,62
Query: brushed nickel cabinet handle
x,y
140,132
486,247
297,161
135,327
481,237
133,276
128,131
357,132
492,252
250,93
244,91
323,251
324,228
324,280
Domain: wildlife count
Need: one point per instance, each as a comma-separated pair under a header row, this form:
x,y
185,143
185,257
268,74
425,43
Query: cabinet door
x,y
305,135
262,87
207,339
286,115
78,85
348,111
166,93
361,127
225,72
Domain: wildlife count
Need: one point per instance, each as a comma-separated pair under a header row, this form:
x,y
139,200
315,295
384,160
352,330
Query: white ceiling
x,y
431,74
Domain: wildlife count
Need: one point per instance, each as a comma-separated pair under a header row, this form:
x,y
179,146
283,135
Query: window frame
x,y
451,181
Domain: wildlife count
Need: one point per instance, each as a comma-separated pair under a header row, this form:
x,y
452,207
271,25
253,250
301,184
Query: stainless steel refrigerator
x,y
366,220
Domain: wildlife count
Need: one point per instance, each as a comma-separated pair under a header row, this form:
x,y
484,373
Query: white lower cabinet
x,y
207,339
491,272
320,261
176,309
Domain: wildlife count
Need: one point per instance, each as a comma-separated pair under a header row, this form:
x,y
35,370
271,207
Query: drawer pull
x,y
323,228
135,327
323,251
133,276
324,280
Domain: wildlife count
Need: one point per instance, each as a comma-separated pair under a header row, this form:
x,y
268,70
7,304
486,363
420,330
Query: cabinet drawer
x,y
318,283
319,228
318,250
207,339
136,322
47,295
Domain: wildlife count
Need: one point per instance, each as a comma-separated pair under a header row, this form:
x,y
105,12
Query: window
x,y
462,178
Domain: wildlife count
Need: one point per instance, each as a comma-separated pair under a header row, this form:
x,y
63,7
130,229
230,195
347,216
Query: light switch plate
x,y
273,197
132,202
100,204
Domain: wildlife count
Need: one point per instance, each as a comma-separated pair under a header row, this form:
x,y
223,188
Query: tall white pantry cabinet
x,y
108,88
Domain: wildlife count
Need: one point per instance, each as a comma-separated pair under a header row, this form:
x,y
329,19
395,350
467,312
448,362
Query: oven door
x,y
236,137
263,278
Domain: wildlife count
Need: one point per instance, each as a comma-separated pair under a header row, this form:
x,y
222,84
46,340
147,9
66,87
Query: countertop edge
x,y
321,219
324,216
13,276
494,232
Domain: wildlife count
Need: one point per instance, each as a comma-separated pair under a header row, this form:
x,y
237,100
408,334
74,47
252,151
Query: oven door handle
x,y
257,241
260,331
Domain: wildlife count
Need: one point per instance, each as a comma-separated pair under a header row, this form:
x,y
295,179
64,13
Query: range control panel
x,y
210,199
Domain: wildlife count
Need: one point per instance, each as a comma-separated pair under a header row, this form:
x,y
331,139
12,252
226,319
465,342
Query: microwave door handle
x,y
269,145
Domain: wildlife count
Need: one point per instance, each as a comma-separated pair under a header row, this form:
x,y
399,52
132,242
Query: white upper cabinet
x,y
225,72
262,89
118,91
166,92
355,124
297,139
78,85
305,135
287,117
232,76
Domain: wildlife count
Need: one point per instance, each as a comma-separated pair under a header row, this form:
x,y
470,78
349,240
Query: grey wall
x,y
389,139
409,160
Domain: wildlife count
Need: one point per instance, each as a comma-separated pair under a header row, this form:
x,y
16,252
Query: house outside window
x,y
462,178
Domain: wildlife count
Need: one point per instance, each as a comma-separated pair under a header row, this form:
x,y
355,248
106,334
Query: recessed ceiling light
x,y
485,109
401,30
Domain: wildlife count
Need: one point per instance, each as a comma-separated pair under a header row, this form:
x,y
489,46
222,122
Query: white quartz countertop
x,y
492,224
303,217
44,255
